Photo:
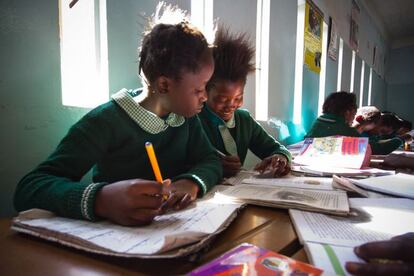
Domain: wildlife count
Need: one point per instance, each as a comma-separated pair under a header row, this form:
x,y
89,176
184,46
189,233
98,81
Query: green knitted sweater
x,y
109,141
247,134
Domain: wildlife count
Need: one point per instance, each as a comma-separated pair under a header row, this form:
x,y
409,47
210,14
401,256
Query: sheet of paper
x,y
329,171
238,178
290,181
321,256
399,184
167,232
330,200
371,219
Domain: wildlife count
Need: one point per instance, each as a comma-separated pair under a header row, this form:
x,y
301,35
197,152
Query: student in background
x,y
230,129
339,110
176,63
383,138
366,119
391,257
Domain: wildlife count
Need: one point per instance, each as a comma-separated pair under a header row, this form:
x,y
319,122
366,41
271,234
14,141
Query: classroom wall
x,y
32,118
400,87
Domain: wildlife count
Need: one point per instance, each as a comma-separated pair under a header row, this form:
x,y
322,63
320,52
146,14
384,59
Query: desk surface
x,y
22,254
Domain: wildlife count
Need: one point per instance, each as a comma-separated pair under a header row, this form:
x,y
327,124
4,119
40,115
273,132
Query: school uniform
x,y
245,131
331,125
111,140
383,146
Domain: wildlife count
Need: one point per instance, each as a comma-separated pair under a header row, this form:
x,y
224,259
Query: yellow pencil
x,y
154,165
154,162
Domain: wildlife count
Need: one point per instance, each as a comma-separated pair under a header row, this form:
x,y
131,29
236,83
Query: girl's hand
x,y
130,202
231,165
393,257
181,194
275,166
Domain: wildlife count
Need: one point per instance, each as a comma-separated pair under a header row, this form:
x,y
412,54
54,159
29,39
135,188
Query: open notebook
x,y
329,240
171,235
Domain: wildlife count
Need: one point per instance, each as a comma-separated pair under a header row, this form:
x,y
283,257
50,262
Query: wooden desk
x,y
25,255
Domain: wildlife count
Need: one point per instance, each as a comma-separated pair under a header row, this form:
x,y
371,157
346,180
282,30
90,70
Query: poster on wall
x,y
313,37
333,40
354,28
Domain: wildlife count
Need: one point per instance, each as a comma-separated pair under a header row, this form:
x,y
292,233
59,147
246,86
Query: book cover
x,y
248,259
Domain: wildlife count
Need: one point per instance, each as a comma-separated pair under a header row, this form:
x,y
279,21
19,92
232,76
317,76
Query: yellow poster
x,y
313,37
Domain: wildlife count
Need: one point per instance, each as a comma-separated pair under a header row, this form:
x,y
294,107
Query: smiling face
x,y
225,97
187,94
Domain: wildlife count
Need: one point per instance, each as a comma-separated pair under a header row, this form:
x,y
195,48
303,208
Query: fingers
x,y
396,249
379,268
145,201
147,187
276,165
178,201
231,166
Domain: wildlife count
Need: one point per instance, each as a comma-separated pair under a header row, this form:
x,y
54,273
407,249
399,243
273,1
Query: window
x,y
262,59
340,57
84,53
297,97
361,93
322,74
202,17
351,86
369,86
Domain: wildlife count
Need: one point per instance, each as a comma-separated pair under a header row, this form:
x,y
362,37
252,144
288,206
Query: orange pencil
x,y
154,162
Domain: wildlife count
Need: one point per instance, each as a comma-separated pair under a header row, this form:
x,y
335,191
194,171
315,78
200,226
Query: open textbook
x,y
325,201
329,240
333,151
290,181
171,235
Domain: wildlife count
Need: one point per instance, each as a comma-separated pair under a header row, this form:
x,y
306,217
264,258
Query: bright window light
x,y
340,57
351,86
297,97
322,74
369,86
361,93
84,53
262,59
202,17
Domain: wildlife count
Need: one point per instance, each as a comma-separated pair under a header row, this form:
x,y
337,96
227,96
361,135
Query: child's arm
x,y
206,169
261,143
55,184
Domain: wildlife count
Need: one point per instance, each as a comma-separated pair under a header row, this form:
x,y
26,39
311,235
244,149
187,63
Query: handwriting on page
x,y
165,233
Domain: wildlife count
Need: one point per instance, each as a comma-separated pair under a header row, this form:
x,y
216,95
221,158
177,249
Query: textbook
x,y
333,151
324,201
329,240
291,181
248,259
171,235
400,184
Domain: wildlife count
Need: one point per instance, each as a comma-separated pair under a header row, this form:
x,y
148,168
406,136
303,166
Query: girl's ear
x,y
162,85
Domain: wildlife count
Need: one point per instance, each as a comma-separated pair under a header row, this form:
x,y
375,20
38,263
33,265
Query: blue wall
x,y
400,79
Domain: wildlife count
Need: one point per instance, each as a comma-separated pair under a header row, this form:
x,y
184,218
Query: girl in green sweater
x,y
176,63
232,130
